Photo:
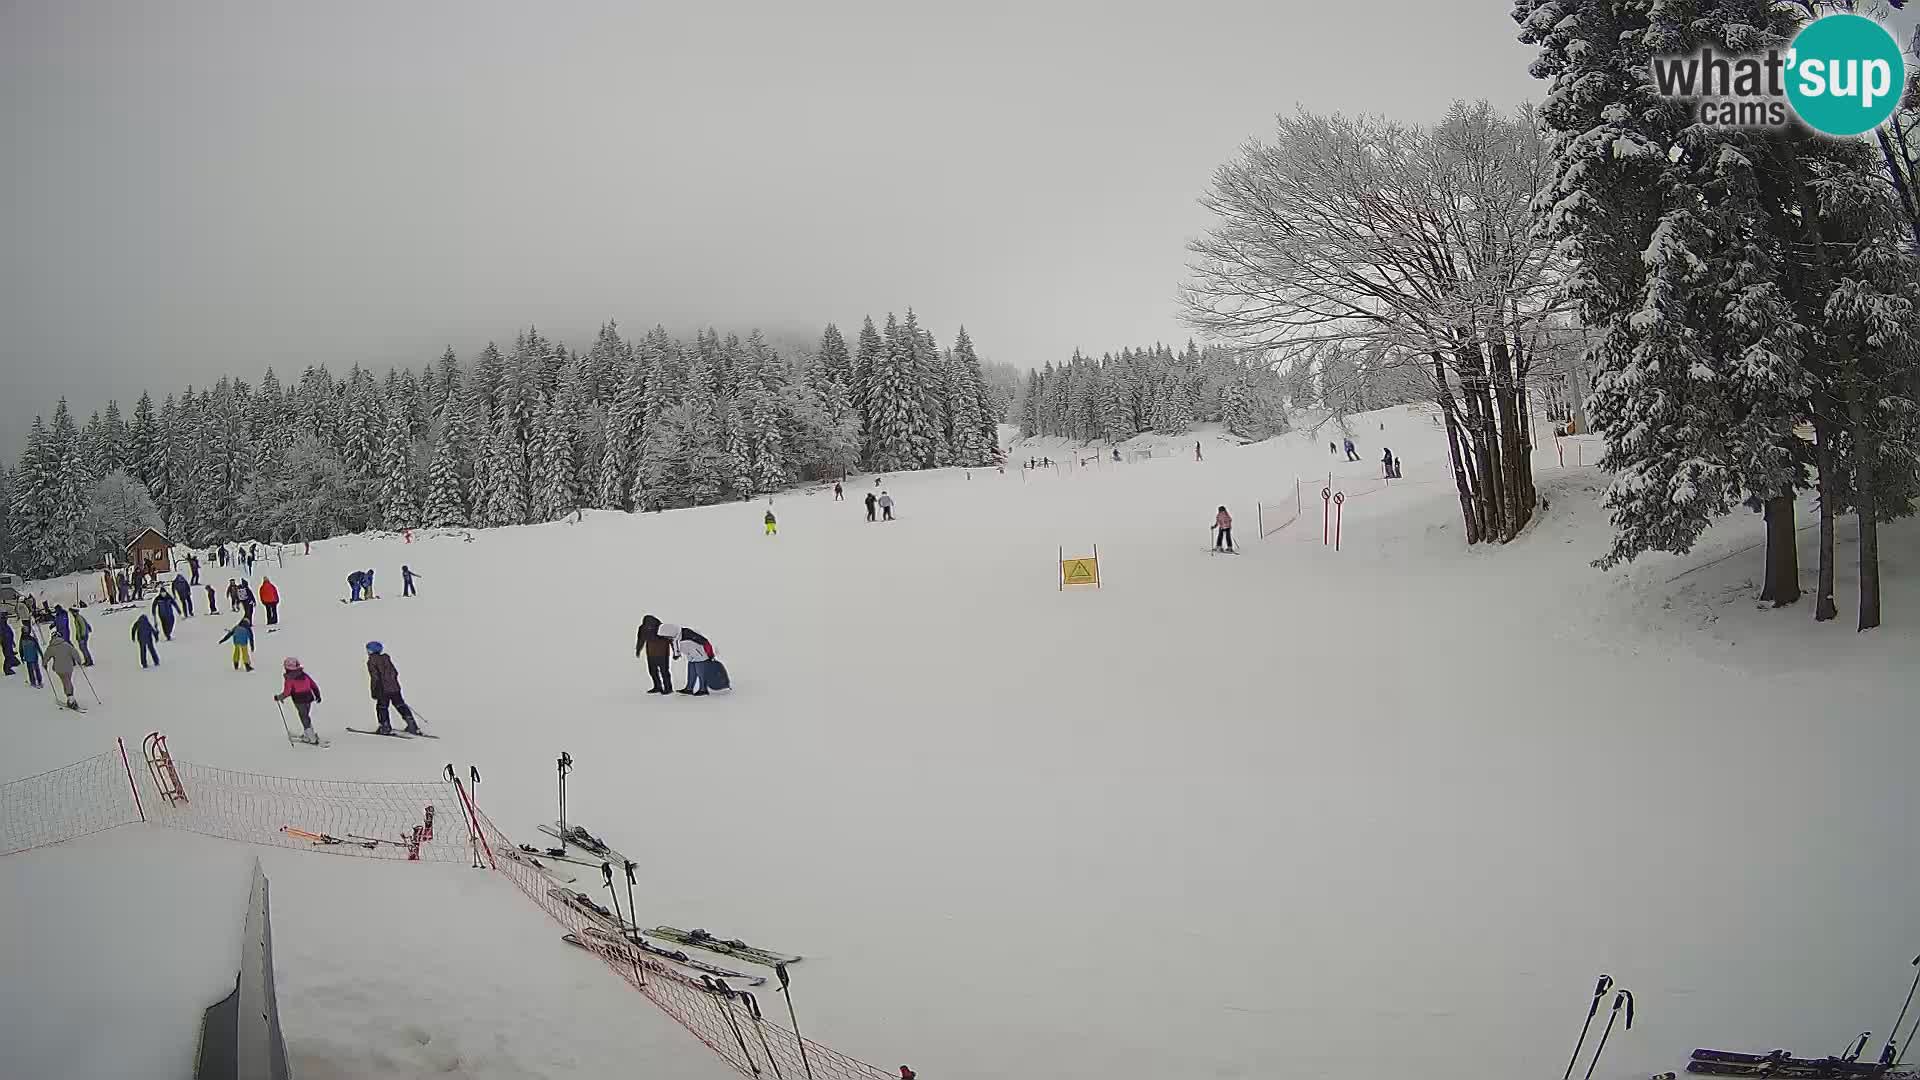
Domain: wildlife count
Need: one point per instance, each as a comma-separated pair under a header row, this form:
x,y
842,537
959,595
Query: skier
x,y
772,527
1386,463
214,609
184,593
125,594
357,581
657,649
370,593
270,596
696,649
246,599
1196,451
30,655
8,660
406,579
233,594
886,507
164,606
250,554
144,633
82,630
305,694
61,658
385,683
1348,443
1116,453
1396,469
242,637
60,622
193,562
838,495
1332,449
1223,530
870,504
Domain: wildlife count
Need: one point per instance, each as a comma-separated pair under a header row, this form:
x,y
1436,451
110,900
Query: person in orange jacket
x,y
270,596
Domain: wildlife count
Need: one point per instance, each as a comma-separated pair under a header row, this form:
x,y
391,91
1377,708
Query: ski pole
x,y
1859,1046
606,872
282,710
1624,996
753,1010
781,971
633,909
1599,991
565,763
1893,1034
723,1001
90,689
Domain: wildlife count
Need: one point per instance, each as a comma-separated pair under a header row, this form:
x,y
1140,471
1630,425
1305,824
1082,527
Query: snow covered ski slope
x,y
1301,813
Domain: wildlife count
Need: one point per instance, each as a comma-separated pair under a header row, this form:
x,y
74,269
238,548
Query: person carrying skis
x,y
30,655
886,507
61,658
357,581
270,596
385,684
772,527
406,579
144,633
870,504
242,637
305,693
82,630
164,606
9,661
658,650
697,650
1223,530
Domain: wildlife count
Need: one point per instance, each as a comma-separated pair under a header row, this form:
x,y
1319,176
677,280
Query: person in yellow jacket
x,y
773,528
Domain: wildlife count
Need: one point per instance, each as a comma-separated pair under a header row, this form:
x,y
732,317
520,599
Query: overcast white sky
x,y
196,188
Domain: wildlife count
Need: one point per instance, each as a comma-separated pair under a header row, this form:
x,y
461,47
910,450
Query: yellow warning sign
x,y
1080,571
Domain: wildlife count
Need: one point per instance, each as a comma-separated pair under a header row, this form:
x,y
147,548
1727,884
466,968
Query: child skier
x,y
406,579
1223,530
772,527
270,596
305,694
385,683
242,637
30,655
144,633
62,658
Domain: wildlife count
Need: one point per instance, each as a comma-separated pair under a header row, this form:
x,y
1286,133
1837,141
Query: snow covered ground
x,y
1295,813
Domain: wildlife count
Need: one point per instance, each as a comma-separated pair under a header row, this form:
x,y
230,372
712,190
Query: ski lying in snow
x,y
739,950
523,857
672,955
1840,1066
323,838
612,951
393,734
560,855
586,841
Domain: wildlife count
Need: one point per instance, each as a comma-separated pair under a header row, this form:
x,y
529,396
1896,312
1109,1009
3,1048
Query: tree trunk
x,y
1783,557
1865,447
1824,464
1443,393
1518,503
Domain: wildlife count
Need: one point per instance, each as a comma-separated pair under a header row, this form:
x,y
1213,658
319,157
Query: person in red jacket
x,y
270,596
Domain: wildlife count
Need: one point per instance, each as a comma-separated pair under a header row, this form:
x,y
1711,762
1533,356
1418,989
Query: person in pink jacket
x,y
1223,530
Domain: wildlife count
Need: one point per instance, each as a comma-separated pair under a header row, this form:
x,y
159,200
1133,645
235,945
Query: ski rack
x,y
160,764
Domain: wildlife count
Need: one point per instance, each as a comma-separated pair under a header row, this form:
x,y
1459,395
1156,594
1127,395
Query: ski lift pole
x,y
781,971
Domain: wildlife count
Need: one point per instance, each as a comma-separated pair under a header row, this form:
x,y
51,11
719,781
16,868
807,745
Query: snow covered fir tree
x,y
1153,390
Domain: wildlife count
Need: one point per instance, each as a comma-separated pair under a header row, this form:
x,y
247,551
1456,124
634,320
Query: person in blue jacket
x,y
30,655
144,633
357,581
61,627
164,605
406,579
242,637
184,593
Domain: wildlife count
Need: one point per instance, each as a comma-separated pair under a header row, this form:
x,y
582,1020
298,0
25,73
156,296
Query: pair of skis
x,y
393,734
611,931
733,947
1779,1063
586,842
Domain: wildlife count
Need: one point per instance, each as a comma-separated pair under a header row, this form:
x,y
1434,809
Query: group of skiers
x,y
662,642
383,682
883,502
360,582
65,650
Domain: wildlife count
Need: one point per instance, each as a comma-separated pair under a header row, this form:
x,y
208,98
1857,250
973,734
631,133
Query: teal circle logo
x,y
1845,75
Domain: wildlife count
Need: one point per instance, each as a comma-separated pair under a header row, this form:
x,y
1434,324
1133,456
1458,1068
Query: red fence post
x,y
135,788
1338,498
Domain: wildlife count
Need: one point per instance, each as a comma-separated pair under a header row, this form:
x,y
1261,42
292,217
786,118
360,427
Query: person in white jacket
x,y
886,507
696,649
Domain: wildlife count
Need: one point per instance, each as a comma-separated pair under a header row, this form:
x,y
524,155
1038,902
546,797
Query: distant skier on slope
x,y
164,606
1223,530
838,495
886,507
242,637
1348,444
406,579
384,681
61,659
658,650
144,633
773,527
270,596
1196,451
305,693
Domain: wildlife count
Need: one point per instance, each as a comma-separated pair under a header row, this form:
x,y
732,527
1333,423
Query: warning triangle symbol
x,y
1077,572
